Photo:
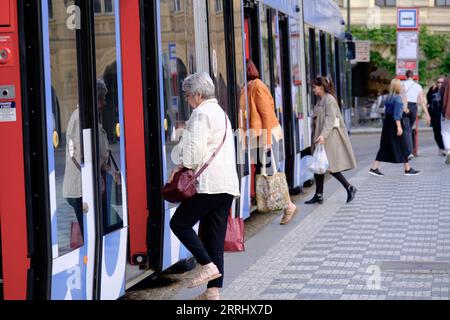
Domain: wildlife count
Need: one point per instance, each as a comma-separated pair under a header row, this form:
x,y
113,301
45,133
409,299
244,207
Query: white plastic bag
x,y
319,163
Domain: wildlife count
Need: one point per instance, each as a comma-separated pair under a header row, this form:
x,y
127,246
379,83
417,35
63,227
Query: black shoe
x,y
351,191
318,198
412,172
376,172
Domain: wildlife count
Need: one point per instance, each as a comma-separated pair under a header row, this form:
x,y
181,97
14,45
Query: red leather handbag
x,y
183,185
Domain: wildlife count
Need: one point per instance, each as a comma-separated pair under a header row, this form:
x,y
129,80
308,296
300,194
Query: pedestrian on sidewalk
x,y
435,109
328,128
208,130
415,98
266,134
445,124
393,144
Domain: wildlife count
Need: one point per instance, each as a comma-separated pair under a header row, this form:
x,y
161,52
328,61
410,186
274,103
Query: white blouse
x,y
203,135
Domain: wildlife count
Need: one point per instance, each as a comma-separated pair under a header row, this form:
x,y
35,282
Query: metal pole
x,y
348,16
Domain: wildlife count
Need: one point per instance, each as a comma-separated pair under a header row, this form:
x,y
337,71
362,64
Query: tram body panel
x,y
13,215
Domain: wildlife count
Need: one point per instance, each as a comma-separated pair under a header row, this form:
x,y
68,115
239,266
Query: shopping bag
x,y
234,238
272,192
76,237
319,163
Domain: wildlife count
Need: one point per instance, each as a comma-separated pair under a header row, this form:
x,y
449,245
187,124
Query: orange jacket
x,y
262,110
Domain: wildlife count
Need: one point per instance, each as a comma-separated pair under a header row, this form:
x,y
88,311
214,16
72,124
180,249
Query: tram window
x,y
277,73
276,58
296,77
329,54
67,133
178,56
240,83
218,54
312,64
109,109
318,52
265,41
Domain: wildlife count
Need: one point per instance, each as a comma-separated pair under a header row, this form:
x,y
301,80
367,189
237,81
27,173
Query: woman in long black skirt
x,y
393,145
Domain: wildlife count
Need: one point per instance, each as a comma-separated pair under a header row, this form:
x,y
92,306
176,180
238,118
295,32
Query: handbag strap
x,y
74,160
272,164
206,165
113,161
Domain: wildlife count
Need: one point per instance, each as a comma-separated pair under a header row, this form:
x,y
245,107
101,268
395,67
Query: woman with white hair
x,y
208,130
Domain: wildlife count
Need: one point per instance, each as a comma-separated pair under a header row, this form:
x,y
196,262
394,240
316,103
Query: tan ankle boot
x,y
208,273
288,214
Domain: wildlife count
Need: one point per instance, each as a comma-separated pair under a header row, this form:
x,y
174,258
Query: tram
x,y
91,110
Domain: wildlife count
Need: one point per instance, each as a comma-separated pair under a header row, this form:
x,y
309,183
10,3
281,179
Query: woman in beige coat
x,y
329,129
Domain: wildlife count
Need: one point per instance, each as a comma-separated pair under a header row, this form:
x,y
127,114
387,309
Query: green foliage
x,y
379,62
432,45
386,34
435,51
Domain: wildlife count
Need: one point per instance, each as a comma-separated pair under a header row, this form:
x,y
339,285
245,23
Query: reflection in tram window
x,y
241,85
265,50
218,53
276,54
178,50
67,133
109,109
297,103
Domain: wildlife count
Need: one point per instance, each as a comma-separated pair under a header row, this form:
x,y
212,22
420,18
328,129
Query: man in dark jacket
x,y
435,108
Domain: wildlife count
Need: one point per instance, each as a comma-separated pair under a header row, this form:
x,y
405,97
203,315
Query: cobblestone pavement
x,y
391,242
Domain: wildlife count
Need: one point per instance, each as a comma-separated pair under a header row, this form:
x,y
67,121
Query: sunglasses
x,y
440,82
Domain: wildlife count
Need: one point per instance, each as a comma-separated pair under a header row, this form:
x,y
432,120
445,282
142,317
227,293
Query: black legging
x,y
212,211
320,178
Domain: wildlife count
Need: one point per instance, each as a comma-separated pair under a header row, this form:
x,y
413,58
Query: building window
x,y
97,6
50,9
385,3
109,8
442,3
219,6
103,7
177,5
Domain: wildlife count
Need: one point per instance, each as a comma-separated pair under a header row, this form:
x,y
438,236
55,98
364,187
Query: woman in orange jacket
x,y
265,129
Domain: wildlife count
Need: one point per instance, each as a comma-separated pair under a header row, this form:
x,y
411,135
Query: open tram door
x,y
75,131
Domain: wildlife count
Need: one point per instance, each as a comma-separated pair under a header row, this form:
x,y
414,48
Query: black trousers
x,y
409,119
320,179
212,211
436,124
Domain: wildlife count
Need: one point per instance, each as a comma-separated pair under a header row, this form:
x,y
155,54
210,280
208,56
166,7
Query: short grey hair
x,y
200,83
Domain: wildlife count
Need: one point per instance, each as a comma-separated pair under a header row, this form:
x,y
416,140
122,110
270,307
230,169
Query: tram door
x,y
85,149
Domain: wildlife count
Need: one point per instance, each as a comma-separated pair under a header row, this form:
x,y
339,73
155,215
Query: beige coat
x,y
337,143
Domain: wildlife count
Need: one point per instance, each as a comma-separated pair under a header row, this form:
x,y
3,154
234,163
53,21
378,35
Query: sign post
x,y
407,42
408,52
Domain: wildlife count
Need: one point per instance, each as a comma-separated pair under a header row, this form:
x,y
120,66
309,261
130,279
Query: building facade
x,y
433,13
